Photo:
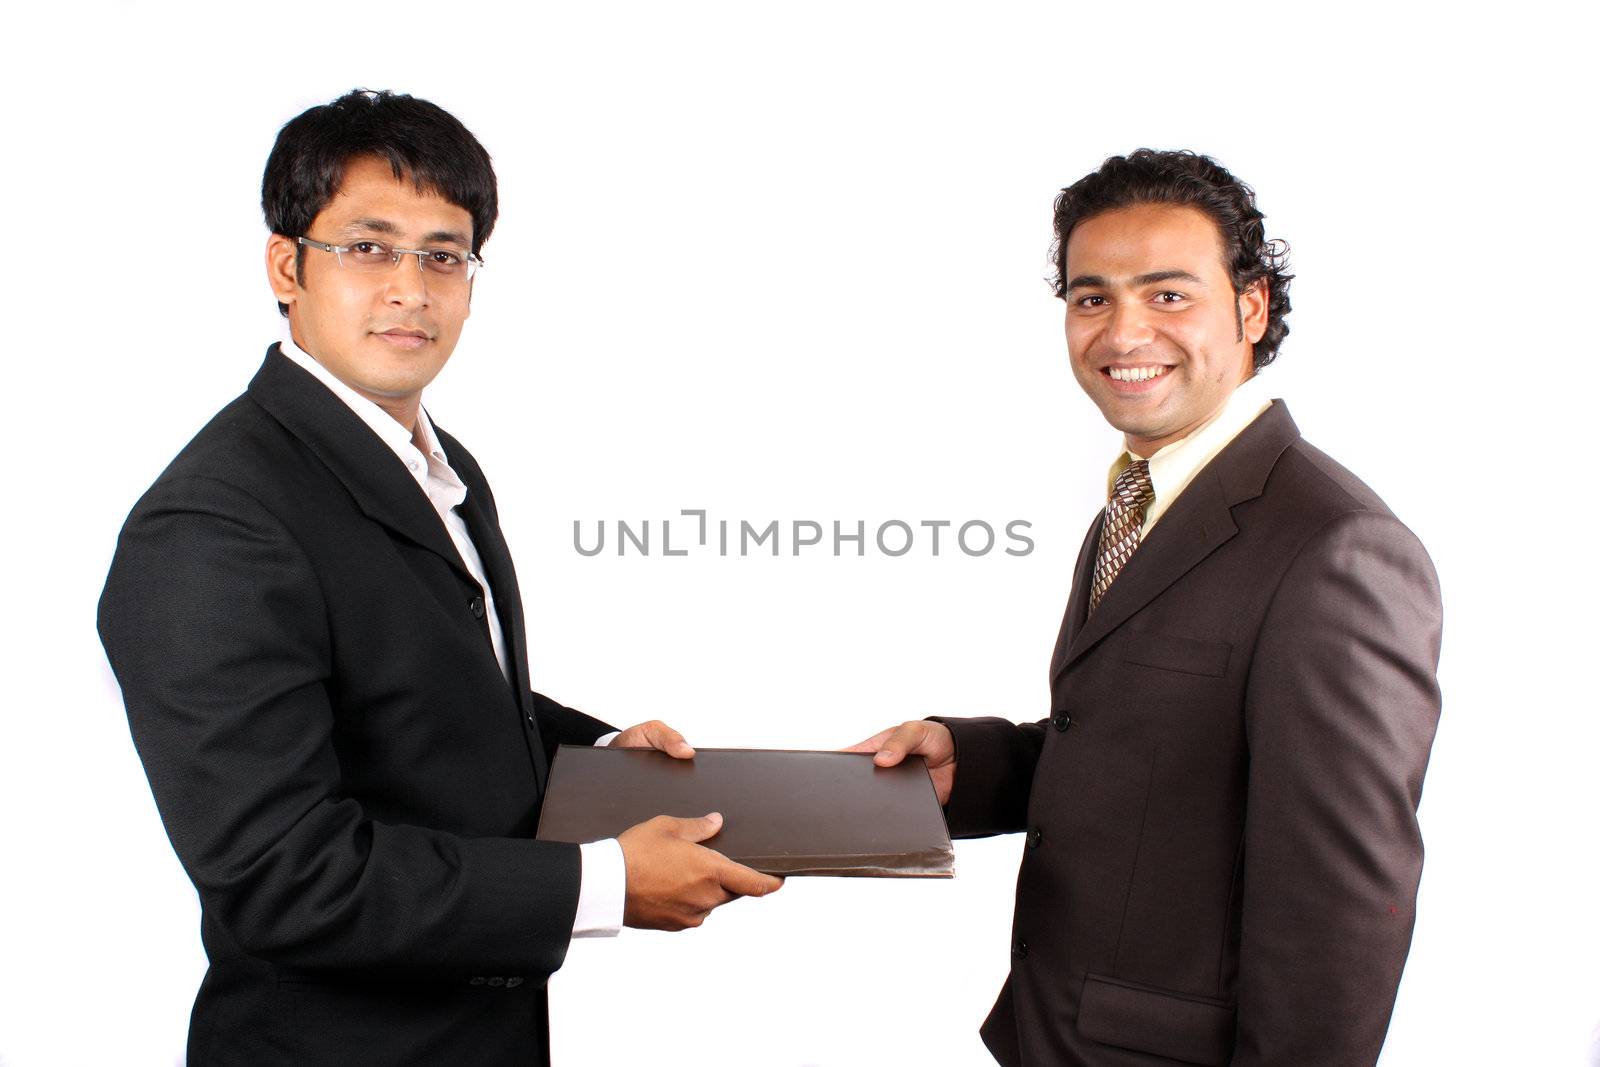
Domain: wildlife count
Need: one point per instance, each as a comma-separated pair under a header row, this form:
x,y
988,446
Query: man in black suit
x,y
317,629
1222,852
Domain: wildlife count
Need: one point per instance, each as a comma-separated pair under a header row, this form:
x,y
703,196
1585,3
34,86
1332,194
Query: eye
x,y
1092,300
1170,297
370,251
445,259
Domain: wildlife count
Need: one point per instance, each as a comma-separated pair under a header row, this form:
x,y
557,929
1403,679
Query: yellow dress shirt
x,y
1174,467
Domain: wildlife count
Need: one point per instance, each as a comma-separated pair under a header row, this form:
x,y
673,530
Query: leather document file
x,y
784,812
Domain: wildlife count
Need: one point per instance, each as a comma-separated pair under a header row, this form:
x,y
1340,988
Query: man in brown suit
x,y
1222,846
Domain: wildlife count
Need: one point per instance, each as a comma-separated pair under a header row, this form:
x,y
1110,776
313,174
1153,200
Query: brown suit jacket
x,y
1222,854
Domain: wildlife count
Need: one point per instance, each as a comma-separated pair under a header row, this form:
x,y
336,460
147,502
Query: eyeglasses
x,y
374,257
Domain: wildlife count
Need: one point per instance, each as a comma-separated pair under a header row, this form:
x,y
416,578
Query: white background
x,y
786,262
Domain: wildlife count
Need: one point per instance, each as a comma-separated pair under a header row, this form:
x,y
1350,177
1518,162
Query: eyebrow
x,y
446,237
384,226
374,225
1095,281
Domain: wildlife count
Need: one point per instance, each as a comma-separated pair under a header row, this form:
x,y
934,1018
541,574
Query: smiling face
x,y
1156,336
385,334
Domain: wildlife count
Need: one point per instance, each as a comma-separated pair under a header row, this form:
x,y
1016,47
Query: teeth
x,y
1135,374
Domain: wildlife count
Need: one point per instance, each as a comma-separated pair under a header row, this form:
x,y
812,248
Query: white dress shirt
x,y
602,888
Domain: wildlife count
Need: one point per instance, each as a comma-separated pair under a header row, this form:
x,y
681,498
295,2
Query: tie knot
x,y
1132,489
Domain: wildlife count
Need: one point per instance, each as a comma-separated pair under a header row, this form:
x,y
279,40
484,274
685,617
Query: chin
x,y
1139,431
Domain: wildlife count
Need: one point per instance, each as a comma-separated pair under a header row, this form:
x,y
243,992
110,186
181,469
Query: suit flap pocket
x,y
1170,653
1180,1026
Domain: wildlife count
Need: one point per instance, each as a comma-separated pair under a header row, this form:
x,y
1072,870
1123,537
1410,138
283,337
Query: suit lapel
x,y
498,568
502,579
387,493
1196,525
1078,601
374,475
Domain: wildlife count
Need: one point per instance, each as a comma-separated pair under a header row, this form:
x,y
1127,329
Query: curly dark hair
x,y
1148,176
418,139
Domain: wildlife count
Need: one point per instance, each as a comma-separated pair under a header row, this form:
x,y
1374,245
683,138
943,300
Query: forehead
x,y
370,192
1143,239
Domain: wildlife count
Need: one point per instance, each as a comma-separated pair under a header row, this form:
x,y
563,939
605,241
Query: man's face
x,y
1151,321
384,334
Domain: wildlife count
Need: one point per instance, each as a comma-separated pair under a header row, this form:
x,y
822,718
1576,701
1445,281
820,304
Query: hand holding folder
x,y
786,812
918,737
672,882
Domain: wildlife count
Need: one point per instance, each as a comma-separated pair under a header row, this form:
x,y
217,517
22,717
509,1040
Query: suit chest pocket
x,y
1180,655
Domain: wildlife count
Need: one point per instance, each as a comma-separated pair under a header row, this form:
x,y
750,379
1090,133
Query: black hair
x,y
418,139
1148,176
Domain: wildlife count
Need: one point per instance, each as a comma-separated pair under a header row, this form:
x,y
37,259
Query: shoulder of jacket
x,y
241,447
1320,484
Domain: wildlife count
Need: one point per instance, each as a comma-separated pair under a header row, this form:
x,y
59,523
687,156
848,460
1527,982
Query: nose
x,y
1128,327
406,284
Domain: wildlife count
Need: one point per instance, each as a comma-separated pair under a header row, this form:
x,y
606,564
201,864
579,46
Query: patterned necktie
x,y
1119,534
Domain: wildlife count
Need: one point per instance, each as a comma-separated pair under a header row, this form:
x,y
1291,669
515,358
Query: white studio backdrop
x,y
786,262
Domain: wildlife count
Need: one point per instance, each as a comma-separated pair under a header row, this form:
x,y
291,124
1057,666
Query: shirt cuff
x,y
602,889
605,739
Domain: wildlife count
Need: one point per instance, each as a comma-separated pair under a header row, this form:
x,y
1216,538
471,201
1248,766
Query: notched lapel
x,y
1194,527
375,477
1198,523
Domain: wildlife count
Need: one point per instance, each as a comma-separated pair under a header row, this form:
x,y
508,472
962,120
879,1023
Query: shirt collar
x,y
385,425
1174,466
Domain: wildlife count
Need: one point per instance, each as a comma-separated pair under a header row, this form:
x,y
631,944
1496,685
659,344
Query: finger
x,y
901,741
715,897
873,743
700,829
745,882
668,740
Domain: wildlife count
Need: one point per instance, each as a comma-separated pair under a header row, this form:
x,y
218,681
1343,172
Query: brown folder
x,y
784,812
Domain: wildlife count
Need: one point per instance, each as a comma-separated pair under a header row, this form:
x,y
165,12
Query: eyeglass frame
x,y
474,261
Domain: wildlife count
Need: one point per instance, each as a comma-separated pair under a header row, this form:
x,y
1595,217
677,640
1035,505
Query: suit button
x,y
1020,949
476,606
512,983
1035,835
477,980
531,724
497,981
1061,720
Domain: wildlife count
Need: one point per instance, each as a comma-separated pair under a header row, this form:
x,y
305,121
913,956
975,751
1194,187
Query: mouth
x,y
404,338
1136,378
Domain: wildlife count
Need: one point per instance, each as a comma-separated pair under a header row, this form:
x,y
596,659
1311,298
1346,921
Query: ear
x,y
280,268
1253,310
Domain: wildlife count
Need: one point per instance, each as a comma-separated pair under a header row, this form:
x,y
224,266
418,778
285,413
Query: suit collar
x,y
386,426
1198,522
382,487
1175,465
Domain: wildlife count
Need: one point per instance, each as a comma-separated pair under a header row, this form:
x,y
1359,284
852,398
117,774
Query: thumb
x,y
707,826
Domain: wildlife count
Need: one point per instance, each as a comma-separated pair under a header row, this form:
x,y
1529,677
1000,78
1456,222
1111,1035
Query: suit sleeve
x,y
561,725
995,760
1340,713
216,628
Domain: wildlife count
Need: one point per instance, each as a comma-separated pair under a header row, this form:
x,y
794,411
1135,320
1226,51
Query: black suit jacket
x,y
1223,851
341,765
